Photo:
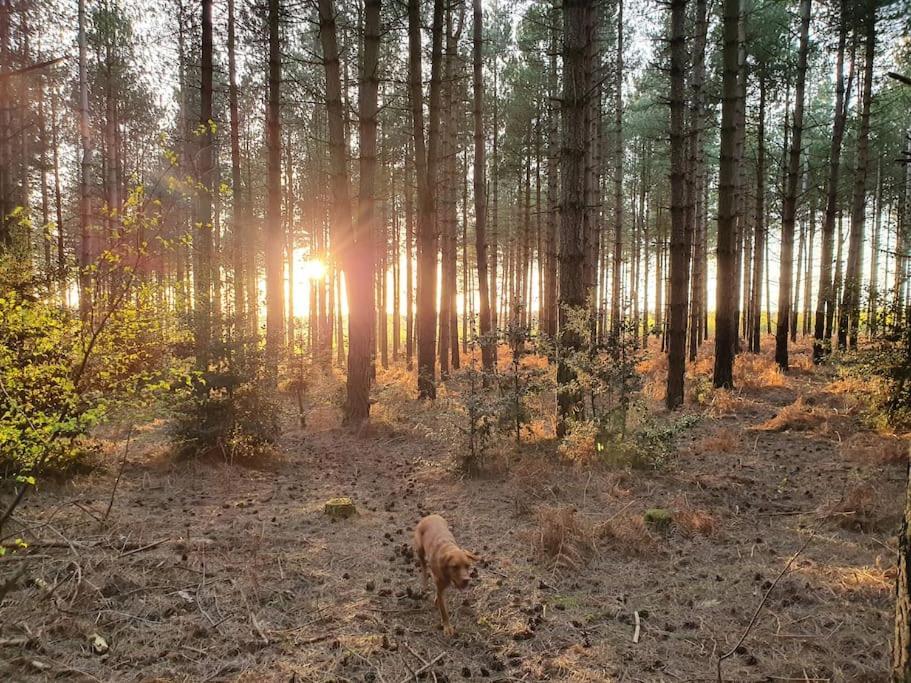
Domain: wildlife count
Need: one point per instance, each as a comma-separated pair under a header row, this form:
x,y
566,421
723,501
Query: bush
x,y
232,413
43,416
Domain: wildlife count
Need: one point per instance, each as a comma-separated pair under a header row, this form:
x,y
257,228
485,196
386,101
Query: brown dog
x,y
436,548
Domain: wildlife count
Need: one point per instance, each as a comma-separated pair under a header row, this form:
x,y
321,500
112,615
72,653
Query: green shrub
x,y
43,416
231,413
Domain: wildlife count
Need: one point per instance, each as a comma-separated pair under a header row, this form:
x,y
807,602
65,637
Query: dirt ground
x,y
214,572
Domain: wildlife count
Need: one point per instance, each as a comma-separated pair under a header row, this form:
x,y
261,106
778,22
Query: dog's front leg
x,y
422,561
440,601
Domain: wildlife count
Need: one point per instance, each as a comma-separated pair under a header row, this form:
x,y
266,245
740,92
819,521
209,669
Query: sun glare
x,y
313,269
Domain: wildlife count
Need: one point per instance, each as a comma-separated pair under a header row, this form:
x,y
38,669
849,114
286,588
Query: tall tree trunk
x,y
239,244
409,274
396,274
618,176
740,196
680,240
727,188
495,209
801,247
488,342
275,242
759,229
695,176
549,323
46,239
426,163
202,239
576,55
808,270
62,270
789,210
86,246
849,315
873,306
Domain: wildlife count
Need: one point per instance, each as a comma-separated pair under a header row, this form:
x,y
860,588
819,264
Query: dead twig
x,y
638,627
123,463
416,674
144,547
761,604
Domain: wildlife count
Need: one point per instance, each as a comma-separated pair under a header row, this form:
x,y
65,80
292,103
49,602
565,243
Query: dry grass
x,y
726,403
855,393
722,440
653,370
693,521
857,510
799,416
564,536
628,534
757,371
885,449
578,446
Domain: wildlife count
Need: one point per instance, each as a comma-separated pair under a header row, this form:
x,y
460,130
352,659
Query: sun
x,y
313,269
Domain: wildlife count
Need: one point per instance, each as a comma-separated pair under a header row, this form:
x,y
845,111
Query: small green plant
x,y
478,404
229,412
519,382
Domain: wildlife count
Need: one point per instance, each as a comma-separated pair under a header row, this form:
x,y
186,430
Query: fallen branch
x,y
14,642
761,604
144,547
638,627
123,463
424,668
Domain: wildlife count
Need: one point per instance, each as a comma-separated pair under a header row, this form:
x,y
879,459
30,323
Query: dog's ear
x,y
472,556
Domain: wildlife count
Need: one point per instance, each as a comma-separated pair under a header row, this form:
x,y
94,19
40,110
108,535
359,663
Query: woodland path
x,y
218,572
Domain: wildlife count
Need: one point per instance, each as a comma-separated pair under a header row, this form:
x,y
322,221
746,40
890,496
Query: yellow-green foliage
x,y
42,415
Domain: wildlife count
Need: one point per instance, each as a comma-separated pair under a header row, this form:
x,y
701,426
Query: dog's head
x,y
457,565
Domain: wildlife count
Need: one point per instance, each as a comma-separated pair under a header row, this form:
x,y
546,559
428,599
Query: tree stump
x,y
340,508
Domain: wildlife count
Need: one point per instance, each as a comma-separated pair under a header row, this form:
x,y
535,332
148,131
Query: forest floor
x,y
208,572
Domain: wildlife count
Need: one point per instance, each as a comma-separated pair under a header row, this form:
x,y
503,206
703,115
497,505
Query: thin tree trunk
x,y
488,343
238,242
426,168
808,270
86,247
618,176
789,210
409,275
759,230
873,307
849,316
62,270
275,290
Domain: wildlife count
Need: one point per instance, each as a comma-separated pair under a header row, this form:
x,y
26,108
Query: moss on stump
x,y
658,519
340,508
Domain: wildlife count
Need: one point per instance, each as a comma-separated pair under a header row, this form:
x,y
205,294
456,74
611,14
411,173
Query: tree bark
x,y
275,242
680,240
426,163
901,640
238,236
576,55
849,314
789,210
618,176
727,188
759,229
86,246
487,341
